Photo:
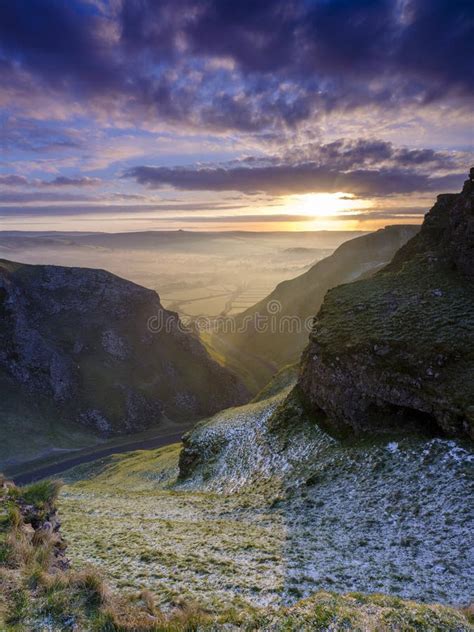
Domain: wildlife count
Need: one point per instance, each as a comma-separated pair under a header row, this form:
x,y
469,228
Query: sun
x,y
317,205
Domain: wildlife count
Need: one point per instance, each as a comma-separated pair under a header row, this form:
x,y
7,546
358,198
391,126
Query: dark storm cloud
x,y
349,154
363,167
293,37
437,43
238,65
63,41
292,179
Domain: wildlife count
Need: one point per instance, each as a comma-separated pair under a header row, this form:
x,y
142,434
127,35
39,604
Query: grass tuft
x,y
42,493
91,586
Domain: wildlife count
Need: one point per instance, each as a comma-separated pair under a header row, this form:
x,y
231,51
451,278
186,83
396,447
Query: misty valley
x,y
316,482
236,316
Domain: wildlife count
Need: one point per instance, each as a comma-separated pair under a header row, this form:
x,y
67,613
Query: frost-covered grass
x,y
219,550
273,513
42,597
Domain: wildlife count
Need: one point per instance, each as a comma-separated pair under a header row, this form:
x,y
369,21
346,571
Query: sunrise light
x,y
320,205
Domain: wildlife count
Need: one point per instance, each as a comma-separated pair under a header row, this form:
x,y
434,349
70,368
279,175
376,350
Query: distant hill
x,y
151,239
77,347
257,350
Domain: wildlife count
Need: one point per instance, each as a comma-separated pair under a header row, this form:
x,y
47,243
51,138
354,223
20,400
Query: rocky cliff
x,y
396,351
275,331
78,344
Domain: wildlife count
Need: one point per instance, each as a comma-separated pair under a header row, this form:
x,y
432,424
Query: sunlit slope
x,y
274,332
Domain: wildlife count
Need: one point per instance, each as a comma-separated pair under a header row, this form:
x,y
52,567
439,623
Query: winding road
x,y
55,468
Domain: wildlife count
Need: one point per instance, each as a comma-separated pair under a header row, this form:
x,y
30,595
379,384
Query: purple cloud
x,y
363,167
238,65
13,180
64,181
293,179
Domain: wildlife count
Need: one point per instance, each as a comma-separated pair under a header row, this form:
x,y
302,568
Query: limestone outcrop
x,y
396,352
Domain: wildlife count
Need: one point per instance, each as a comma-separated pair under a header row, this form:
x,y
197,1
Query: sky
x,y
126,115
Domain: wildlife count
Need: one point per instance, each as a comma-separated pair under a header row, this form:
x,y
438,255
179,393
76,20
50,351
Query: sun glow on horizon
x,y
321,205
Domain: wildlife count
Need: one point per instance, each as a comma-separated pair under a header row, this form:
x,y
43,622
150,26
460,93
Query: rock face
x,y
274,332
397,351
87,346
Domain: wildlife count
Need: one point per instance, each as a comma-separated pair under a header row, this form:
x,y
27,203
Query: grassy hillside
x,y
397,350
269,510
39,590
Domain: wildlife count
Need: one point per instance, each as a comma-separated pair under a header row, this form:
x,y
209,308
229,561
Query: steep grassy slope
x,y
269,509
77,346
397,350
30,428
274,332
40,591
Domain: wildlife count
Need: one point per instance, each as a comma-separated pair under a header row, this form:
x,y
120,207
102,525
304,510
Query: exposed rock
x,y
396,352
39,523
79,343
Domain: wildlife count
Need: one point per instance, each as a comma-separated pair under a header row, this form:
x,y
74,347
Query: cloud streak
x,y
363,167
65,181
13,180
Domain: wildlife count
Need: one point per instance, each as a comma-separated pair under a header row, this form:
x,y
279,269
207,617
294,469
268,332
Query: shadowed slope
x,y
397,350
76,347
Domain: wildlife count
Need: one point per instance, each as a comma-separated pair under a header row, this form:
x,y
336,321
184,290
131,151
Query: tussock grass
x,y
41,493
14,516
91,586
20,551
